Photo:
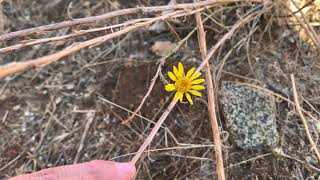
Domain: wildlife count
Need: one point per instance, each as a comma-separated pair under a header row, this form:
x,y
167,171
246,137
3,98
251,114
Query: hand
x,y
94,170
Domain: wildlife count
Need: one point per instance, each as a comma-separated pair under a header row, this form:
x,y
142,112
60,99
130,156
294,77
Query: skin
x,y
93,170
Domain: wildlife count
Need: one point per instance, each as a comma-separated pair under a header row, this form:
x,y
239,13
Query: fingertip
x,y
126,168
123,171
97,169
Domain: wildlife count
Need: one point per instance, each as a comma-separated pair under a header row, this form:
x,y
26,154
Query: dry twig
x,y
14,67
33,42
187,146
224,38
94,19
153,132
20,66
211,104
305,24
90,117
305,124
279,96
12,161
300,161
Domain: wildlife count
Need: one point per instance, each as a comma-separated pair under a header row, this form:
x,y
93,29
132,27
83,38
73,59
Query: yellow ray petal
x,y
177,96
195,76
198,87
176,72
190,72
194,92
189,98
198,81
180,69
170,87
172,76
181,97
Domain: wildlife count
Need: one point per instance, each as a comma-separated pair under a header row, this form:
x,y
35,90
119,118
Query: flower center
x,y
183,84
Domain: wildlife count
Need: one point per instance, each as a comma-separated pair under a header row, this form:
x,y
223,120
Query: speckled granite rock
x,y
250,116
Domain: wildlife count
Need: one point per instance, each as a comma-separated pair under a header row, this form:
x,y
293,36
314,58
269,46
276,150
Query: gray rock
x,y
250,116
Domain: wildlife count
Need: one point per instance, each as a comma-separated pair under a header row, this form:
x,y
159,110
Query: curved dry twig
x,y
303,119
20,66
153,132
94,19
33,42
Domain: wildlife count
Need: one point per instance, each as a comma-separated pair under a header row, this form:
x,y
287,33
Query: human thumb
x,y
94,170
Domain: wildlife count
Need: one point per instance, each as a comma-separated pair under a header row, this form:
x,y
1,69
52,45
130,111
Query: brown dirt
x,y
43,111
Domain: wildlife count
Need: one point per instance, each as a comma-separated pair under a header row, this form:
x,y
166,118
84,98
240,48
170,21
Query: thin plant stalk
x,y
211,104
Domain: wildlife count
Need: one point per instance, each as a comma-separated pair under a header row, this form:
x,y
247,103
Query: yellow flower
x,y
184,84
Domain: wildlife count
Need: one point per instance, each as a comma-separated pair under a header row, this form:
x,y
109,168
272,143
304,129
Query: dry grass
x,y
88,78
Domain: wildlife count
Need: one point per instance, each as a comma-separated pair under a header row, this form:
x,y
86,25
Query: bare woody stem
x,y
14,67
33,42
94,19
153,132
303,119
228,35
20,66
211,100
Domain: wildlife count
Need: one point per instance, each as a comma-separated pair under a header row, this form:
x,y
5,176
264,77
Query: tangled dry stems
x,y
180,10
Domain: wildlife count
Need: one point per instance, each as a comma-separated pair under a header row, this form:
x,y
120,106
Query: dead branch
x,y
305,24
33,42
228,36
12,161
153,132
211,104
90,117
20,66
94,19
303,119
